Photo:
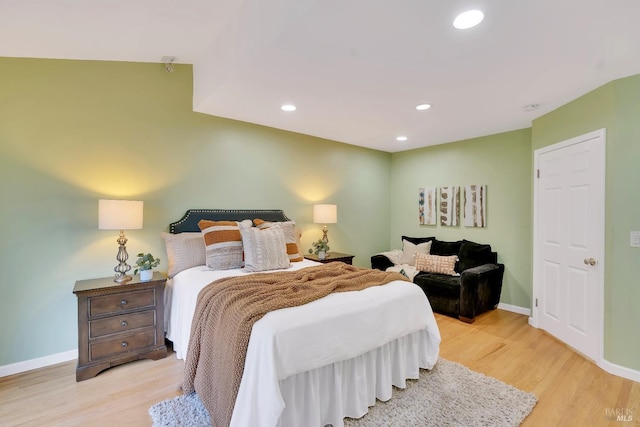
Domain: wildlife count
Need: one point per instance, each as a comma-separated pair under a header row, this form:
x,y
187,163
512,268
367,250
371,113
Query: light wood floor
x,y
572,391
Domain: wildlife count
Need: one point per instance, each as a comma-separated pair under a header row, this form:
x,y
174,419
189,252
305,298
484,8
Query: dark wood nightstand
x,y
119,323
332,256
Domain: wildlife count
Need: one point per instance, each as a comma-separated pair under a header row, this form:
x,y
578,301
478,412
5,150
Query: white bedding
x,y
384,331
181,295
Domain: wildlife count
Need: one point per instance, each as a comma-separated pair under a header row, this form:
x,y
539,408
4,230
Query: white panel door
x,y
569,240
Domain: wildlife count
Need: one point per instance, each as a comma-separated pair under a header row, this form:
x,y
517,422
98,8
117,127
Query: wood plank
x,y
571,389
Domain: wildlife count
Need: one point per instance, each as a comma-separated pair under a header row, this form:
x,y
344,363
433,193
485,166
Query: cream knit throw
x,y
227,309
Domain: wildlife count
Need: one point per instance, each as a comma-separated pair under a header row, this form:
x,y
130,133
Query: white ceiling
x,y
355,69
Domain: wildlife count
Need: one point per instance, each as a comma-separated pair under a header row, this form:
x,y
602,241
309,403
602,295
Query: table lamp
x,y
120,215
325,214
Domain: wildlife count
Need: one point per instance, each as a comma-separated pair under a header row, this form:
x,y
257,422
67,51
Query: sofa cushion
x,y
473,254
438,247
418,240
439,285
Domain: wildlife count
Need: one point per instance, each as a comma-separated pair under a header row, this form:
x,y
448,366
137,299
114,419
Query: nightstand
x,y
332,256
119,323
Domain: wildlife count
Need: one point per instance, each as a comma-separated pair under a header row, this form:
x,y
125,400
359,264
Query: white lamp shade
x,y
325,214
119,215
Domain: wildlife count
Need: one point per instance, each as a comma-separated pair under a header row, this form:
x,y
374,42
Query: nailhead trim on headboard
x,y
189,222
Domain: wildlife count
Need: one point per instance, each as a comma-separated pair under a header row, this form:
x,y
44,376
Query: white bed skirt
x,y
347,389
315,364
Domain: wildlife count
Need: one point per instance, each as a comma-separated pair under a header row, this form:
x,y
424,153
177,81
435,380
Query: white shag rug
x,y
448,395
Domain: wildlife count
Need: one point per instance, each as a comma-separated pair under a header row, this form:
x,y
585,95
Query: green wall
x,y
615,107
503,163
73,132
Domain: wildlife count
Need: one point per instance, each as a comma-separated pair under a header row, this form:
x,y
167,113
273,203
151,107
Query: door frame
x,y
537,246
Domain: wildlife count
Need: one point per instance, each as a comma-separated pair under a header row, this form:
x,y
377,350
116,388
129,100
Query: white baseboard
x,y
607,366
515,309
620,371
40,362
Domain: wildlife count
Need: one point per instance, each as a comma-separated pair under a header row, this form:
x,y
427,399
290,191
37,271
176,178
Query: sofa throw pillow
x,y
184,250
223,243
418,240
439,247
437,264
291,236
409,251
264,249
472,255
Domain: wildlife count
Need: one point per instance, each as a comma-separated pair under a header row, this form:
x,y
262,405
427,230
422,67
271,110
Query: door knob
x,y
590,261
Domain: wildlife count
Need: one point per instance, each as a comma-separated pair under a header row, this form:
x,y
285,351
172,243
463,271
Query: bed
x,y
314,364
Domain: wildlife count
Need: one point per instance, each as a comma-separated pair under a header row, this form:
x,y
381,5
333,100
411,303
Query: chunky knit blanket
x,y
227,309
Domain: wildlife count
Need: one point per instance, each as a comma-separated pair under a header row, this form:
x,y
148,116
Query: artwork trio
x,y
474,207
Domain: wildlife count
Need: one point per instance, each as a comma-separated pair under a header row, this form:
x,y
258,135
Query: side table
x,y
331,257
119,323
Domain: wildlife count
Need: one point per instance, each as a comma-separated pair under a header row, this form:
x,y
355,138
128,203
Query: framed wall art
x,y
475,206
450,206
427,206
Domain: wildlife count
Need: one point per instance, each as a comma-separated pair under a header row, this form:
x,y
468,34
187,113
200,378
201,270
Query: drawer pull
x,y
123,302
124,344
124,323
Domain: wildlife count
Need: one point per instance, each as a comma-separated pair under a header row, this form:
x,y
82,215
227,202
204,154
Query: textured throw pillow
x,y
264,249
409,251
184,250
437,264
223,243
291,236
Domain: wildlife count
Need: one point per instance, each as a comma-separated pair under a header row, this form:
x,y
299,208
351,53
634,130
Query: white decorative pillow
x,y
437,264
223,243
184,250
409,251
264,249
291,236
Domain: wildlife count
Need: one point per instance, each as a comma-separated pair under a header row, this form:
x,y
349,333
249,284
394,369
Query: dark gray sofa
x,y
474,292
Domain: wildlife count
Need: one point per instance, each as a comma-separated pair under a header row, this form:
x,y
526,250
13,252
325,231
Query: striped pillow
x,y
223,243
291,236
437,264
264,249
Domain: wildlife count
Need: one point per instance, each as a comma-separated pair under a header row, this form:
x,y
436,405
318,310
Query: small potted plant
x,y
320,248
145,263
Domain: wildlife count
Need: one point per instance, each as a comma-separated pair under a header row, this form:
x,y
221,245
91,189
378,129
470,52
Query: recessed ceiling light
x,y
422,107
401,138
468,19
288,107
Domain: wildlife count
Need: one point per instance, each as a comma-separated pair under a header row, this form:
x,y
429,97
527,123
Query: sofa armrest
x,y
483,269
381,262
480,289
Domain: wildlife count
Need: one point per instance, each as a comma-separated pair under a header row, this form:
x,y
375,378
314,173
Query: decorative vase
x,y
322,255
146,275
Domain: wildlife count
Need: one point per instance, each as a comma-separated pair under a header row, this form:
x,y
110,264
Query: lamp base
x,y
122,268
325,238
122,278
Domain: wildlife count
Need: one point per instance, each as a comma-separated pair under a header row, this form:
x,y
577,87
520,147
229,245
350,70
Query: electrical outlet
x,y
634,239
